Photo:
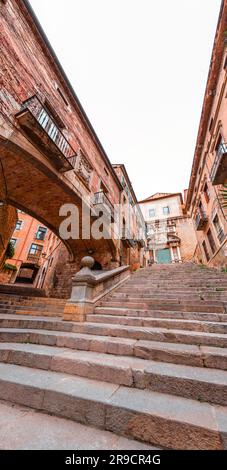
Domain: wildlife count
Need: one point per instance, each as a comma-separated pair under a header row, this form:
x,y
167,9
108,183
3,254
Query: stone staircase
x,y
150,364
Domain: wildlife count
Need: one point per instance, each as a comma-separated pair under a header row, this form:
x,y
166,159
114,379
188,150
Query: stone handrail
x,y
88,287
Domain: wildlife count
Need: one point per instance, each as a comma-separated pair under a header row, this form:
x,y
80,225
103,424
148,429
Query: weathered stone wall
x,y
8,217
186,232
28,67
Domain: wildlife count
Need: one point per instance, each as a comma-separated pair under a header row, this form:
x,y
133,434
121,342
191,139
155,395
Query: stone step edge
x,y
205,384
123,333
177,314
149,416
161,351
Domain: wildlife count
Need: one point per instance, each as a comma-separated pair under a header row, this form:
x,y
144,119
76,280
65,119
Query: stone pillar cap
x,y
87,262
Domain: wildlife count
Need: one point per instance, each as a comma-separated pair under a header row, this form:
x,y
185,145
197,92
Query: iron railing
x,y
32,258
41,114
222,150
220,235
100,198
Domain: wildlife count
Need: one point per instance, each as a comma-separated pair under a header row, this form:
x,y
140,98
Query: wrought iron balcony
x,y
221,234
127,237
101,200
200,220
44,133
34,259
218,173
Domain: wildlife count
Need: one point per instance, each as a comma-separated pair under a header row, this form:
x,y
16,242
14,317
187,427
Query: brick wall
x,y
8,217
186,232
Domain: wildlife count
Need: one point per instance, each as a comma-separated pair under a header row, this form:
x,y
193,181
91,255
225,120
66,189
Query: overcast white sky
x,y
139,68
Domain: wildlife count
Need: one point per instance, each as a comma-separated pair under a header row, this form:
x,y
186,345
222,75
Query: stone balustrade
x,y
88,287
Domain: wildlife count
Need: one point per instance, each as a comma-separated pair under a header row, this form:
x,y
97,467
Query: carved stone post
x,y
88,287
80,302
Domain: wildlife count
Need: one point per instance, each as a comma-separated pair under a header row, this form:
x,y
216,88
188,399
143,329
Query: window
x,y
166,210
219,230
211,241
13,241
151,212
35,250
206,192
205,250
19,225
41,233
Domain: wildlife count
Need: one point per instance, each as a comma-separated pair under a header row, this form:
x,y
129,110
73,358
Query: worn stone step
x,y
196,325
120,311
214,296
161,305
198,383
35,312
152,417
31,305
41,301
178,290
24,428
188,354
212,326
86,342
110,336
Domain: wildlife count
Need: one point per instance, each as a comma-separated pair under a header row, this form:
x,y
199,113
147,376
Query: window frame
x,y
21,224
163,210
153,211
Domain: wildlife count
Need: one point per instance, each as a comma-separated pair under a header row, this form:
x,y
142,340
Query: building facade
x,y
170,233
209,169
35,249
131,223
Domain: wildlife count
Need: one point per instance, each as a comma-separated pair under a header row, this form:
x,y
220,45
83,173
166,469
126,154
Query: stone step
x,y
86,342
35,312
32,301
25,428
178,290
16,289
215,307
110,337
199,383
152,417
165,297
173,284
187,354
196,325
120,311
214,325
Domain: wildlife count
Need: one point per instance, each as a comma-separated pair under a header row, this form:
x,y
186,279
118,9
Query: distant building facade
x,y
209,169
170,233
132,224
35,249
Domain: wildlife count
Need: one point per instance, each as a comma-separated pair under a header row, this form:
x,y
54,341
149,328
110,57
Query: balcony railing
x,y
218,173
200,220
37,122
127,237
31,258
101,199
220,235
